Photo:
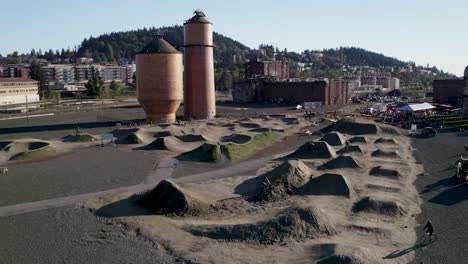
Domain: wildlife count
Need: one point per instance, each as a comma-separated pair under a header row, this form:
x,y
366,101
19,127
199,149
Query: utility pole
x,y
27,110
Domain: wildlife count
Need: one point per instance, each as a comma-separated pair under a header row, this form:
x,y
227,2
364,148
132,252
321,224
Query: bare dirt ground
x,y
362,216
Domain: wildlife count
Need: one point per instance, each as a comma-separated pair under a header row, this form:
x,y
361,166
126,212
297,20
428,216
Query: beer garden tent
x,y
416,107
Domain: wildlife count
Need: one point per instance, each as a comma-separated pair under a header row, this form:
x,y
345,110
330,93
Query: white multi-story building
x,y
18,91
111,73
54,75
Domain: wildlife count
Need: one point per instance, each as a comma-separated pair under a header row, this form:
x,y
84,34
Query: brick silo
x,y
199,91
159,76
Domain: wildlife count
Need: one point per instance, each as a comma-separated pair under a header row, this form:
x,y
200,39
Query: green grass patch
x,y
236,152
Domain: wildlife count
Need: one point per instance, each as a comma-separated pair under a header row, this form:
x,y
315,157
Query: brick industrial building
x,y
327,92
272,70
448,91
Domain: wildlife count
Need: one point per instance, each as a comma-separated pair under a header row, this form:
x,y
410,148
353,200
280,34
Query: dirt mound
x,y
191,138
350,149
334,139
384,172
237,138
286,179
81,137
290,120
328,184
344,254
205,153
168,198
385,154
386,141
379,206
358,140
341,162
294,223
3,144
353,126
260,130
314,150
127,136
162,134
250,125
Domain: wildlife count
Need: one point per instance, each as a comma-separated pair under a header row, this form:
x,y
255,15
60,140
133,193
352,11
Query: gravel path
x,y
445,201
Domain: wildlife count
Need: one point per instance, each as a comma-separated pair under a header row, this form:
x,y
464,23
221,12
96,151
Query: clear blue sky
x,y
424,31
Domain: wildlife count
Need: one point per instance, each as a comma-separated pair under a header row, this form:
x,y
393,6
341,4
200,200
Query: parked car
x,y
429,131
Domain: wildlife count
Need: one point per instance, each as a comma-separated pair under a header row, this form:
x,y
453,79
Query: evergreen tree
x,y
94,87
35,71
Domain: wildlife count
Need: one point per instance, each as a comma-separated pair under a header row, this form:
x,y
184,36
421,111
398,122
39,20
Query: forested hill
x,y
117,45
359,57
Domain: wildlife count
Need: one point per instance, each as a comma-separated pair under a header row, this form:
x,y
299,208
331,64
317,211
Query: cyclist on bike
x,y
429,229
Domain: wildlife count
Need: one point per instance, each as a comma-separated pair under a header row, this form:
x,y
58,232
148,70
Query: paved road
x,y
445,201
162,170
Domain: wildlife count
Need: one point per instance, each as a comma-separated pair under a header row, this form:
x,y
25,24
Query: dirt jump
x,y
284,180
351,149
292,224
385,172
313,150
341,162
205,153
168,198
379,206
328,184
386,154
334,139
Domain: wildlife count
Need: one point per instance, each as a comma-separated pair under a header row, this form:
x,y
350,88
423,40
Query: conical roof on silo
x,y
158,45
199,17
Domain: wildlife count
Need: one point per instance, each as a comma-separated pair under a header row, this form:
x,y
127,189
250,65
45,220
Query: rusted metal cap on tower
x,y
199,17
158,45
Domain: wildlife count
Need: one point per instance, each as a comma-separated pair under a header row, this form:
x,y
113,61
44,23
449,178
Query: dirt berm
x,y
341,162
328,184
294,223
334,139
359,126
379,206
283,180
205,153
313,150
169,198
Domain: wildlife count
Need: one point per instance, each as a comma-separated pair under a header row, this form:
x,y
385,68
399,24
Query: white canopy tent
x,y
416,107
